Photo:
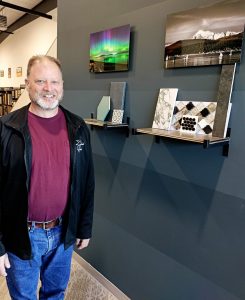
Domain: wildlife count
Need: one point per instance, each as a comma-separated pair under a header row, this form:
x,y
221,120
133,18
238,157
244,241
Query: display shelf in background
x,y
8,98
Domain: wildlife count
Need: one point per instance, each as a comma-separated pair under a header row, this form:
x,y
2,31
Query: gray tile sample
x,y
223,100
103,108
117,94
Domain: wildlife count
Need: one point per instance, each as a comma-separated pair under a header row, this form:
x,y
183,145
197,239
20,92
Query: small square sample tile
x,y
164,108
189,124
103,108
117,116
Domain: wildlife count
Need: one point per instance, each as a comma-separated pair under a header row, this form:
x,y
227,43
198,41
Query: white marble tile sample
x,y
164,108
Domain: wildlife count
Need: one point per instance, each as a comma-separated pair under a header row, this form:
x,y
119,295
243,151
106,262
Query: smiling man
x,y
45,86
46,187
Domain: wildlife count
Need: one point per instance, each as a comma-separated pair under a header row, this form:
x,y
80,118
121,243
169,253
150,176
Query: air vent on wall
x,y
3,23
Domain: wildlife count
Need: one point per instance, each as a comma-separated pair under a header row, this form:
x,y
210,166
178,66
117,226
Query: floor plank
x,y
4,294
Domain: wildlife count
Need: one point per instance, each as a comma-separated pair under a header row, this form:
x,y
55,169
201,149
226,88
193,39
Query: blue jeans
x,y
51,262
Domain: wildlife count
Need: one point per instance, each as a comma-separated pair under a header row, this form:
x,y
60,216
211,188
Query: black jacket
x,y
15,170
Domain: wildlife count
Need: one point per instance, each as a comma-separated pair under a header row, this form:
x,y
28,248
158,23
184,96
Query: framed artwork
x,y
1,73
19,72
207,35
109,50
9,72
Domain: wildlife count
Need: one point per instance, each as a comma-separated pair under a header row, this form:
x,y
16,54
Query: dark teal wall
x,y
169,218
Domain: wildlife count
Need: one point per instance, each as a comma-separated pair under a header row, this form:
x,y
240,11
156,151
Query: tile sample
x,y
189,124
164,108
117,116
103,108
117,94
205,111
223,100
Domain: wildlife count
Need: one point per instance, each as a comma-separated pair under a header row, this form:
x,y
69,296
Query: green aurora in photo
x,y
109,49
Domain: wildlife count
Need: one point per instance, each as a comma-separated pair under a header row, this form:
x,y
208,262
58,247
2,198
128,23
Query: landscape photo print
x,y
208,35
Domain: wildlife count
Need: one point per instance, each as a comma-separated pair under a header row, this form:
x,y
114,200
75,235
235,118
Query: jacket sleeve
x,y
84,230
2,249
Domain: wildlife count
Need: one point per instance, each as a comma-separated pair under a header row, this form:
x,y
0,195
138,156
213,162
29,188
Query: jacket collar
x,y
18,119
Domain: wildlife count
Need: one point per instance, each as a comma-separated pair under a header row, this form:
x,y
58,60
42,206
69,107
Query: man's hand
x,y
4,263
82,243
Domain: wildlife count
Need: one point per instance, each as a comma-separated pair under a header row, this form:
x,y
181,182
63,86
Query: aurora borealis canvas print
x,y
109,50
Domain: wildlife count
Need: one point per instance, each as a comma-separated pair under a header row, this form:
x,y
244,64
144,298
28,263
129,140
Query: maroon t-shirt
x,y
50,169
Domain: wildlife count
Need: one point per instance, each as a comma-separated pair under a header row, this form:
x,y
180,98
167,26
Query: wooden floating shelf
x,y
108,125
204,139
104,123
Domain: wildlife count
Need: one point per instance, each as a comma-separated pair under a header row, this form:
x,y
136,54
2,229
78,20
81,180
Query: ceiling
x,y
12,14
17,18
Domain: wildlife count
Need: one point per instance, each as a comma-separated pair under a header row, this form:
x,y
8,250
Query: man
x,y
46,187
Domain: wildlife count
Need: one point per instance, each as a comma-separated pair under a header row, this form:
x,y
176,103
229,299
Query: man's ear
x,y
27,83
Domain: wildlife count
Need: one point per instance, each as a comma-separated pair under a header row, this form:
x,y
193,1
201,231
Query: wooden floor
x,y
4,295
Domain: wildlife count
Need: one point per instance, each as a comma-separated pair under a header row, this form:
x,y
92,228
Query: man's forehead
x,y
47,67
45,63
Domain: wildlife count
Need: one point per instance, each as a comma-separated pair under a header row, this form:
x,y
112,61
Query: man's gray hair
x,y
38,58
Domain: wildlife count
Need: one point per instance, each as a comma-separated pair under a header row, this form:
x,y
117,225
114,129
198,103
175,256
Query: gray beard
x,y
46,105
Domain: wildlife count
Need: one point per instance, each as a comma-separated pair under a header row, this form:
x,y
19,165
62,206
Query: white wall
x,y
37,37
24,97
